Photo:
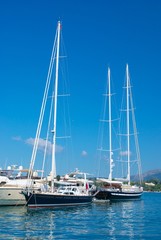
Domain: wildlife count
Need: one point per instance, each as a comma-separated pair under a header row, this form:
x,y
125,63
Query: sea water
x,y
139,219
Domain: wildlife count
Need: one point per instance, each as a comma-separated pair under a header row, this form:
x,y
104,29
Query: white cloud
x,y
124,153
42,143
59,148
84,153
17,138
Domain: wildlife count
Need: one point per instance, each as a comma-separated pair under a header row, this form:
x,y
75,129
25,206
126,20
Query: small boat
x,y
67,195
12,181
117,189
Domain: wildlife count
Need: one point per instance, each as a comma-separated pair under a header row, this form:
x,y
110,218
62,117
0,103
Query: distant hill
x,y
149,175
152,174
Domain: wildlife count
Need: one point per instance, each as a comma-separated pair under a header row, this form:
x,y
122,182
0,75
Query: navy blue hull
x,y
43,200
118,196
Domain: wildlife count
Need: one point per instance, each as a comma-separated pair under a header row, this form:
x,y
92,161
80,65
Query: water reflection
x,y
122,220
94,221
11,218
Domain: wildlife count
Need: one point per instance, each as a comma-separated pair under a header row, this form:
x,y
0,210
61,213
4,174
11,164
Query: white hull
x,y
10,193
11,196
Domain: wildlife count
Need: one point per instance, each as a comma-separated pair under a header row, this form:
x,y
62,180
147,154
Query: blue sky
x,y
97,34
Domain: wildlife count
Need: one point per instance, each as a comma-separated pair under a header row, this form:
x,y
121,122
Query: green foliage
x,y
155,188
58,177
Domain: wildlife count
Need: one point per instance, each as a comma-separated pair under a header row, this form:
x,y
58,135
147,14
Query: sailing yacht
x,y
121,188
50,196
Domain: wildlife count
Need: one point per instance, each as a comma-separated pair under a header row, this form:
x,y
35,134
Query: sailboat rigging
x,y
52,197
120,188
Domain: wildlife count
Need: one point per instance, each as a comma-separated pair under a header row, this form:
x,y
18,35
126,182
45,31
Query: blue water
x,y
139,219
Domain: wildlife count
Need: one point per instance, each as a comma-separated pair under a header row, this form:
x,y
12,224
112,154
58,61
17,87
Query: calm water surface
x,y
139,219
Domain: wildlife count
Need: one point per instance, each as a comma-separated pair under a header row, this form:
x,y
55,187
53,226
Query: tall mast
x,y
42,111
127,119
110,126
55,105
